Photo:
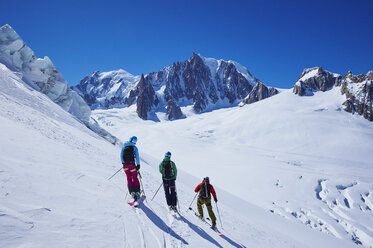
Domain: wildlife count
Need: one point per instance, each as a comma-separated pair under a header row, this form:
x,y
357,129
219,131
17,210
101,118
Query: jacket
x,y
166,159
135,151
212,190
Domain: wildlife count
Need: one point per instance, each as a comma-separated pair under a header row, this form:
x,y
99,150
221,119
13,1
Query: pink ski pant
x,y
132,180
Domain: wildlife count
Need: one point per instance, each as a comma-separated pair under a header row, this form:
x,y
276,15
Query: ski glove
x,y
216,200
138,167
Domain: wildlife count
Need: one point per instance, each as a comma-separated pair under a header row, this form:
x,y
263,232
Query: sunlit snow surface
x,y
302,158
279,167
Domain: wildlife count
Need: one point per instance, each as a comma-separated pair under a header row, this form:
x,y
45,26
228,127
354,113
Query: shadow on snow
x,y
160,223
200,231
232,242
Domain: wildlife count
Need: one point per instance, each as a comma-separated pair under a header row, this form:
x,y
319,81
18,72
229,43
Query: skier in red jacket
x,y
205,190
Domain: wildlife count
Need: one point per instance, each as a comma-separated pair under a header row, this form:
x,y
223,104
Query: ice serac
x,y
39,73
315,79
42,75
358,90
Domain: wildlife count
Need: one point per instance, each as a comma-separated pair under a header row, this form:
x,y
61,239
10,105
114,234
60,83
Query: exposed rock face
x,y
357,89
315,79
203,83
146,98
359,94
260,92
232,83
40,74
173,111
43,76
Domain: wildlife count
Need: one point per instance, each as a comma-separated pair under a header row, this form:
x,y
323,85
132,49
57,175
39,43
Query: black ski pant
x,y
170,192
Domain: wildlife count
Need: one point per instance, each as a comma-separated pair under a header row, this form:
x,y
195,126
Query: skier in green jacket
x,y
169,173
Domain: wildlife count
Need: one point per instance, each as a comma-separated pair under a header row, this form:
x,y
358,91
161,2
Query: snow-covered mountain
x,y
358,90
203,83
55,193
301,158
290,170
107,89
42,75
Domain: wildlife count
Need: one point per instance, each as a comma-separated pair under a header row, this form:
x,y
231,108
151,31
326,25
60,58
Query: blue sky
x,y
275,40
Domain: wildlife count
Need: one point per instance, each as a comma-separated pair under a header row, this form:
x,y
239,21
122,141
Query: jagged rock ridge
x,y
359,94
315,79
357,89
203,83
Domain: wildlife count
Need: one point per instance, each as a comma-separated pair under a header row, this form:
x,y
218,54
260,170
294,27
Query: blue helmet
x,y
168,154
207,178
133,139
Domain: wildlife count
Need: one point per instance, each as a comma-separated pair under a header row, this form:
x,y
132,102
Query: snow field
x,y
55,193
274,154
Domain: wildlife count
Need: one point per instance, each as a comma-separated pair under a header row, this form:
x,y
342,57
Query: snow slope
x,y
55,193
302,158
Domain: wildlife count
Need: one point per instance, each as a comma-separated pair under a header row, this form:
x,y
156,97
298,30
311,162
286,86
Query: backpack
x,y
168,171
128,155
205,190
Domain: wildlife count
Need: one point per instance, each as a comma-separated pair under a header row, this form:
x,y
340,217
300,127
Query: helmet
x,y
206,178
133,139
168,154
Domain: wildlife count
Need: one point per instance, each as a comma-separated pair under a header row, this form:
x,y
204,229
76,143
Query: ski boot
x,y
137,195
134,196
213,226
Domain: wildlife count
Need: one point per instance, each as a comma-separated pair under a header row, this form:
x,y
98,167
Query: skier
x,y
205,190
169,173
131,164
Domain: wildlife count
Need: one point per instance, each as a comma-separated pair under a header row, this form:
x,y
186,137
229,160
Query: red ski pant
x,y
132,180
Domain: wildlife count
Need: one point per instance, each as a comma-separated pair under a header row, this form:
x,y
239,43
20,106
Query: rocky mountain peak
x,y
358,89
260,92
200,82
354,78
195,58
359,94
370,75
315,79
146,97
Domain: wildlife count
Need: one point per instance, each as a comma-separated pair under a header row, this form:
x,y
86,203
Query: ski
x,y
207,223
137,202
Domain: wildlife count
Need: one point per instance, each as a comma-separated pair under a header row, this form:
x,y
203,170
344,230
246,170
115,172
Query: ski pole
x,y
141,184
143,190
218,214
192,201
115,173
177,198
157,191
